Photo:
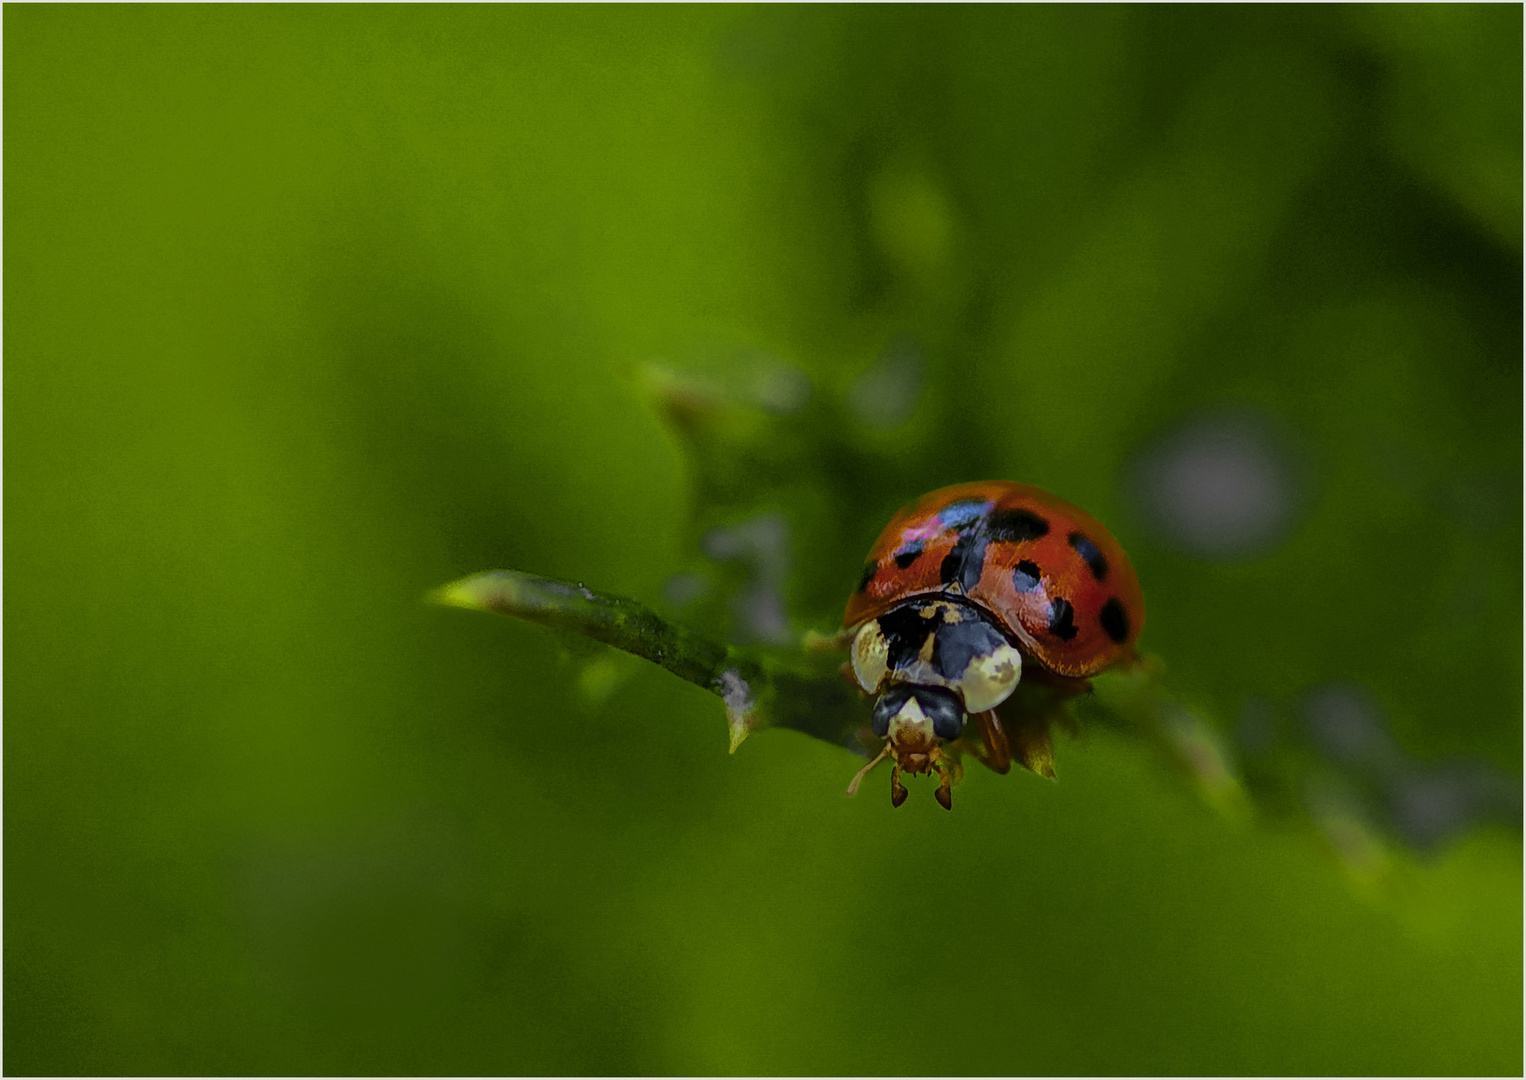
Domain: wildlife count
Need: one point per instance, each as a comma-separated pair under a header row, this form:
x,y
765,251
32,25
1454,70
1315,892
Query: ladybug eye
x,y
887,706
871,656
944,710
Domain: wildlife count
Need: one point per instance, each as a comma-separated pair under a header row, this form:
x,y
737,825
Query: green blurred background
x,y
311,309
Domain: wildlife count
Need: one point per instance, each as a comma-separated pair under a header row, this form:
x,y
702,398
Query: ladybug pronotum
x,y
964,591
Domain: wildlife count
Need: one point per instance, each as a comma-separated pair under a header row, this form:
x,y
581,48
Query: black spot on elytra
x,y
1062,620
908,555
962,514
1025,576
867,576
1115,621
1015,525
1089,551
956,644
963,564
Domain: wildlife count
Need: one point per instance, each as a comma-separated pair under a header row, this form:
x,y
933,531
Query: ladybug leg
x,y
814,642
951,762
853,787
897,789
998,754
945,792
1032,747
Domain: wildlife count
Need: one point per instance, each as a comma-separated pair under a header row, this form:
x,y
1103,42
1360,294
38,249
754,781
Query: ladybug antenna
x,y
853,787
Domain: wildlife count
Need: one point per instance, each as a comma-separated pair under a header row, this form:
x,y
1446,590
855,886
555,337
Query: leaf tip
x,y
740,726
457,594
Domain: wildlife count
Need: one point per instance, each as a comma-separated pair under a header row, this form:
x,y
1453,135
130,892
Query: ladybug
x,y
965,592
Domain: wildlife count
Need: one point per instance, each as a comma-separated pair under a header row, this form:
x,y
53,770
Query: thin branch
x,y
760,689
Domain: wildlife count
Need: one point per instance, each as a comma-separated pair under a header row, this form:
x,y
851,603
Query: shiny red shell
x,y
1048,572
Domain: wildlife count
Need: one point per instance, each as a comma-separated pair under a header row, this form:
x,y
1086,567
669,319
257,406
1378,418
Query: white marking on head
x,y
910,717
990,679
871,656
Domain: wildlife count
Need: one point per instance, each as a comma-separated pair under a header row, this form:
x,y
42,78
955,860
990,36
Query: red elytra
x,y
1046,570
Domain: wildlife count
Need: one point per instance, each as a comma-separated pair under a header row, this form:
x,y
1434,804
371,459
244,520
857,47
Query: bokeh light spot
x,y
1218,488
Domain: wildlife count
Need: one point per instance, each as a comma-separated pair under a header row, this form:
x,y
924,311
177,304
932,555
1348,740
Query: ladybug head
x,y
915,722
933,662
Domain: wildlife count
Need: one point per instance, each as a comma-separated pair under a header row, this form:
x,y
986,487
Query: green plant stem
x,y
760,689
